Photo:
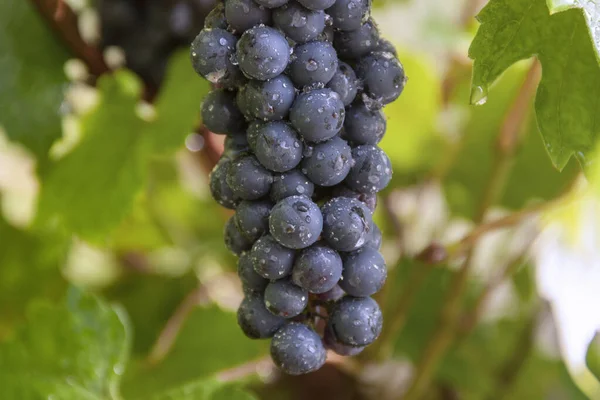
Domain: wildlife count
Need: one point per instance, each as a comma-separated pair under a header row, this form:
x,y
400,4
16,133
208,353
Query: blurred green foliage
x,y
130,189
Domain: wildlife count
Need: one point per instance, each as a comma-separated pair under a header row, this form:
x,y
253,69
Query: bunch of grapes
x,y
299,88
149,31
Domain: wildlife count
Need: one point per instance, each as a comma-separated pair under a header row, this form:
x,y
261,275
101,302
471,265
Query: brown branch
x,y
63,22
167,336
445,333
212,150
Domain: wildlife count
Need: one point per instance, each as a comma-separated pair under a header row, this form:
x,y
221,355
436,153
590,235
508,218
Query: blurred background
x,y
103,186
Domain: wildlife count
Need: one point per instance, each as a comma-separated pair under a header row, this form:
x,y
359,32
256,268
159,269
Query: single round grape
x,y
272,3
331,295
346,223
216,18
211,51
386,46
251,281
285,299
220,113
297,349
269,100
364,273
329,162
363,125
271,260
235,145
299,23
355,321
244,14
348,15
369,199
375,237
296,222
254,318
234,240
314,62
252,218
317,269
219,188
358,43
317,4
337,347
383,77
372,169
277,146
345,83
291,183
318,115
248,179
262,53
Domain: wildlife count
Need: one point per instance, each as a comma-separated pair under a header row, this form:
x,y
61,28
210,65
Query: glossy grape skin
x,y
285,299
296,222
244,14
346,223
314,62
234,240
277,146
271,260
268,100
329,162
219,188
356,321
252,218
251,281
262,53
297,349
248,179
317,115
363,125
298,22
291,183
211,54
364,273
348,15
345,83
372,170
220,113
383,78
255,320
358,43
317,269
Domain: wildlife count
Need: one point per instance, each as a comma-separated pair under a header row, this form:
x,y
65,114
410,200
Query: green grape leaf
x,y
29,268
206,390
177,105
592,358
591,12
566,103
92,188
75,350
150,300
198,353
532,175
32,78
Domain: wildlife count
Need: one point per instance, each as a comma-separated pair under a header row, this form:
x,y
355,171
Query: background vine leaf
x,y
75,350
32,80
567,104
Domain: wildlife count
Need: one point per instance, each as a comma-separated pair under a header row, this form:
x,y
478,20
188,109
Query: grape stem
x,y
508,140
63,21
169,334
